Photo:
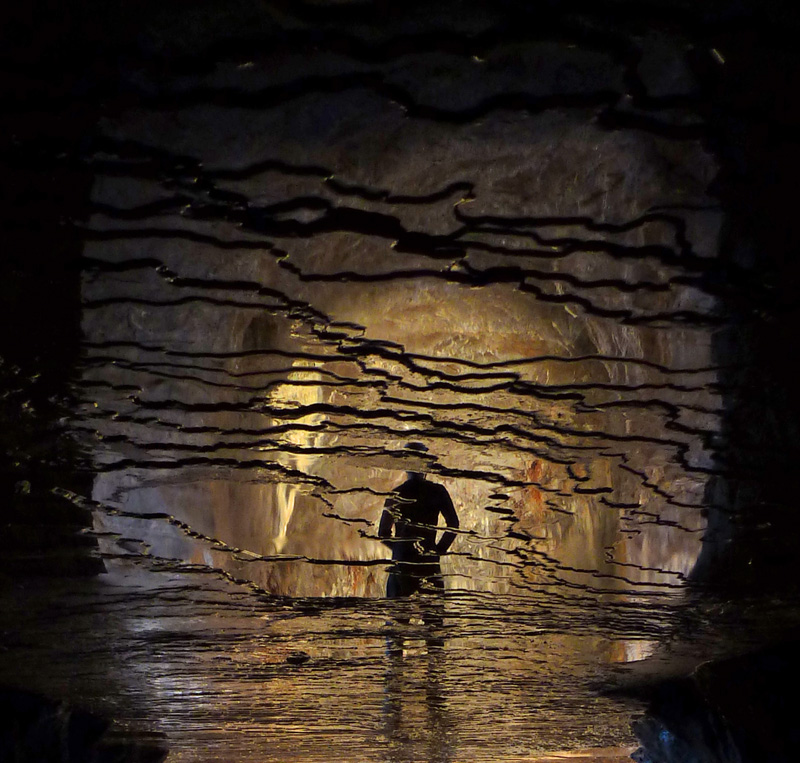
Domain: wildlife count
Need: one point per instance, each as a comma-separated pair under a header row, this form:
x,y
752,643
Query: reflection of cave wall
x,y
321,235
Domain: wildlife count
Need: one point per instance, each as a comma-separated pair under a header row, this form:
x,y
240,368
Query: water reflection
x,y
257,359
284,285
415,711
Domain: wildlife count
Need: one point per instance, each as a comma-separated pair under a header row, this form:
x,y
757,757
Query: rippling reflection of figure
x,y
413,514
417,720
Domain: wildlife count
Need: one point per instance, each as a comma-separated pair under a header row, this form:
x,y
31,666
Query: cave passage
x,y
313,263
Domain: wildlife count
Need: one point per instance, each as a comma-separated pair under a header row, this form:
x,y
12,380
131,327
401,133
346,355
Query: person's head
x,y
416,447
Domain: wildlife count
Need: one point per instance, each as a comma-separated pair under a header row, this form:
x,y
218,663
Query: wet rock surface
x,y
292,241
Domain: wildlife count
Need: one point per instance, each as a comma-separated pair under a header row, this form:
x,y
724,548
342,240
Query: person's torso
x,y
417,510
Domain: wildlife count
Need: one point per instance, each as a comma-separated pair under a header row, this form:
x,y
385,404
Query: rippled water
x,y
295,265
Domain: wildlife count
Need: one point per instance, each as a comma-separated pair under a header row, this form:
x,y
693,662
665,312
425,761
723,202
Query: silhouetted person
x,y
413,513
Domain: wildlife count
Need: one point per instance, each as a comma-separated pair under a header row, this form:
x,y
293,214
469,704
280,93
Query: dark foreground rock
x,y
734,711
37,730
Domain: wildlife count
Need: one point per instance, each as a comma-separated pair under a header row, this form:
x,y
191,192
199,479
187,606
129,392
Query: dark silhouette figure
x,y
413,513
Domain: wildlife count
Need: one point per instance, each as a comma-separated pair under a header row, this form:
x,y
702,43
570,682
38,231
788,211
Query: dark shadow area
x,y
737,710
752,534
36,730
41,199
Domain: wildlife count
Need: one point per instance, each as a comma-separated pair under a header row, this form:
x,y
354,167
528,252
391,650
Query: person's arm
x,y
451,521
386,523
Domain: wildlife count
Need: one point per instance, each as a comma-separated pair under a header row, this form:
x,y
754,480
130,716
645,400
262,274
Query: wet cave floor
x,y
392,394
